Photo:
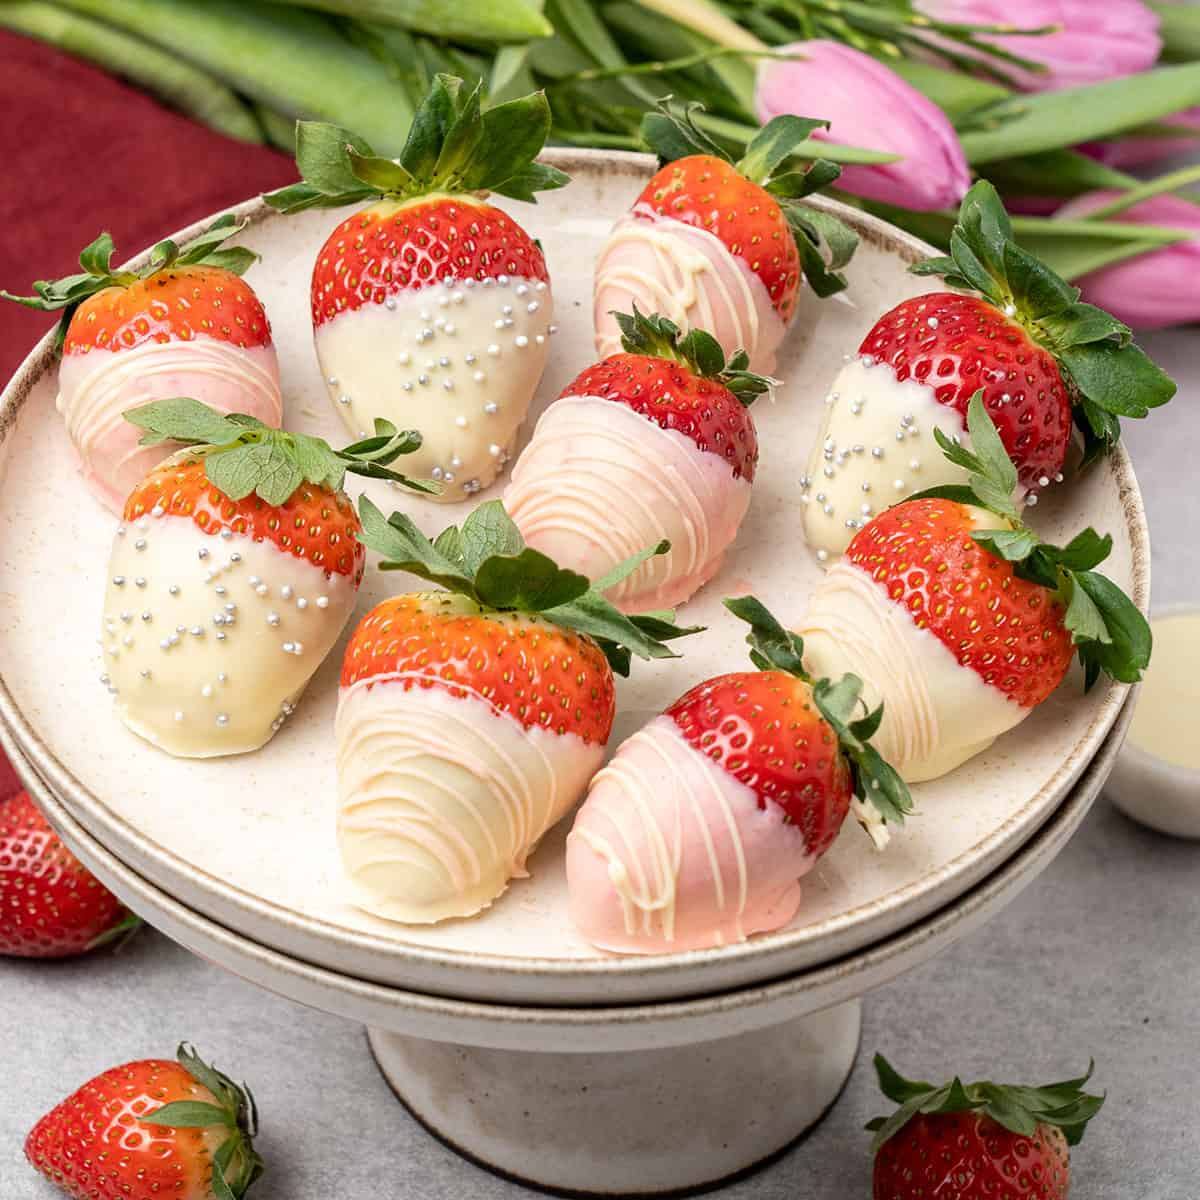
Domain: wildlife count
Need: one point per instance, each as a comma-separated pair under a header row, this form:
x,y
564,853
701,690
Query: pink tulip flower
x,y
1155,289
870,106
1097,39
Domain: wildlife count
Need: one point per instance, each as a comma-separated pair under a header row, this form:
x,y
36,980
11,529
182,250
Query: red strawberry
x,y
979,1141
697,832
184,324
431,307
719,244
469,721
232,577
1006,613
50,905
1024,343
593,485
151,1129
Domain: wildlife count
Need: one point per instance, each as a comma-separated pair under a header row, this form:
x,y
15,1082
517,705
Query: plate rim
x,y
1003,841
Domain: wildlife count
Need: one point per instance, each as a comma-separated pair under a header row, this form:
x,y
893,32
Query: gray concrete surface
x,y
1098,958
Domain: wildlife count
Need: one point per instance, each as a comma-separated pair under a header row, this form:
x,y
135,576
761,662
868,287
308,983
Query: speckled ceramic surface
x,y
249,841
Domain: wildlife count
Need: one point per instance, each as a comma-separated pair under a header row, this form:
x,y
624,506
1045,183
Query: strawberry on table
x,y
149,1130
719,245
978,1141
698,831
1025,341
471,719
655,443
186,324
231,576
50,904
960,620
432,308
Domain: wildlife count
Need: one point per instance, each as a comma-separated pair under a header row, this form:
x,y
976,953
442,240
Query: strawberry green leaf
x,y
323,156
1087,549
671,132
824,243
1119,380
526,582
220,1188
1012,545
776,142
520,580
489,531
959,493
795,185
182,420
1125,654
383,176
1018,1109
1035,287
186,1114
772,648
262,468
405,548
624,569
698,351
96,258
1079,323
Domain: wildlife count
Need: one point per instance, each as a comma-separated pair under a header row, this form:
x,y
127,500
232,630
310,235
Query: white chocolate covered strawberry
x,y
653,444
431,308
184,325
718,245
1024,341
470,720
699,830
232,574
959,620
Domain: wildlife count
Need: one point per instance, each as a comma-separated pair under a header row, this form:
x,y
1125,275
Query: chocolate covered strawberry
x,y
721,245
698,831
1025,341
431,308
471,719
652,444
149,1130
978,1141
960,620
185,324
236,566
51,906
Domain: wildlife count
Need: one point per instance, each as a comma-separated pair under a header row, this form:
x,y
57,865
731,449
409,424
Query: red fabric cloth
x,y
84,152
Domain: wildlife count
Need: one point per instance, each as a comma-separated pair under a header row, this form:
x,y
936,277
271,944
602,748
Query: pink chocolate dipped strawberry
x,y
718,245
232,574
471,719
432,308
653,444
185,324
1024,341
698,831
960,620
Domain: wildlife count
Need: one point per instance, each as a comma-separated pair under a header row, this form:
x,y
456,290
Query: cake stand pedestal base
x,y
620,1124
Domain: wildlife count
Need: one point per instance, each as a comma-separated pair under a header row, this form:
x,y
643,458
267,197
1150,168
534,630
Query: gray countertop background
x,y
1097,958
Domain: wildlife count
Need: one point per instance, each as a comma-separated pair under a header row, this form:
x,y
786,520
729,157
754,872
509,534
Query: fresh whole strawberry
x,y
233,573
1024,341
431,307
698,831
149,1130
185,324
470,720
652,444
961,620
979,1141
50,904
719,245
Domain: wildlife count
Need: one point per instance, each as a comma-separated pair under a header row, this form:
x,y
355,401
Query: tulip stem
x,y
677,64
702,18
1171,182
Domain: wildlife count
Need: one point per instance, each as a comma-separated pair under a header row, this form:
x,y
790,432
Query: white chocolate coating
x,y
441,798
459,362
689,276
937,713
875,448
214,666
96,388
598,482
670,852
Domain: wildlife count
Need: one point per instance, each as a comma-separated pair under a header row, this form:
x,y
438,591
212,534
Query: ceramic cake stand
x,y
491,1029
634,1099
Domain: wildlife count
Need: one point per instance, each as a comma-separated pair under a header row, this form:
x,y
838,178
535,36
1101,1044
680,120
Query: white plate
x,y
249,841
